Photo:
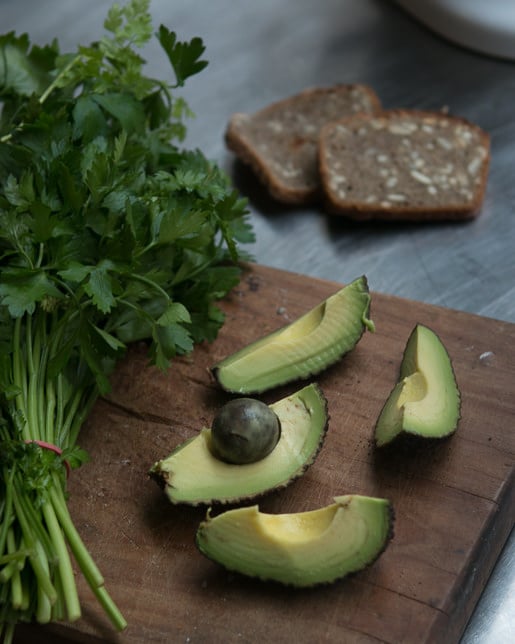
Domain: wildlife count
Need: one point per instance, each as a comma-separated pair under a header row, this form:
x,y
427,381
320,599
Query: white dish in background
x,y
486,26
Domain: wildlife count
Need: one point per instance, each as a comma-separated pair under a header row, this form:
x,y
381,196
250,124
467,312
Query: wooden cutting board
x,y
454,500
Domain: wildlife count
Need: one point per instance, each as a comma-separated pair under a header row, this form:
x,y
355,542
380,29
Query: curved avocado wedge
x,y
300,549
193,475
425,402
304,347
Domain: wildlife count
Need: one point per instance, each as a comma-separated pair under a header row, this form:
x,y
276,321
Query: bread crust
x,y
251,137
453,208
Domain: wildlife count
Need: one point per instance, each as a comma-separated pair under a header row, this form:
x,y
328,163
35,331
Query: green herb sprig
x,y
110,233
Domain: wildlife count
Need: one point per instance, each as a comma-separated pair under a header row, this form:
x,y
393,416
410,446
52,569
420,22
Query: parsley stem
x,y
8,633
86,563
7,517
41,389
36,554
8,571
88,566
153,285
81,415
57,79
18,375
60,406
53,85
33,517
71,409
50,429
45,599
112,610
67,579
16,587
32,347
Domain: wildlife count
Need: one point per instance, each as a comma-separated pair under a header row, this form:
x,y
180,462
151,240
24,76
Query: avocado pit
x,y
245,430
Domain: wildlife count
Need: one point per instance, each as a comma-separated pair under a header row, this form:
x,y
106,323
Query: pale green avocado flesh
x,y
193,475
299,549
425,401
304,347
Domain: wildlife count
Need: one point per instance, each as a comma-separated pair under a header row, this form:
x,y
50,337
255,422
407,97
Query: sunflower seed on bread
x,y
280,141
405,165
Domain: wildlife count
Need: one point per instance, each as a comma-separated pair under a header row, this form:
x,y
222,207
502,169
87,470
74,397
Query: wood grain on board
x,y
454,500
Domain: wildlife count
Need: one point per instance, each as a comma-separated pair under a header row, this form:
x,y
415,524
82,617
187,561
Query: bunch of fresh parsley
x,y
109,233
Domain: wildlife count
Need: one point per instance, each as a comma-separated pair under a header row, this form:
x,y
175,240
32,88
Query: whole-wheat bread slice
x,y
280,142
404,164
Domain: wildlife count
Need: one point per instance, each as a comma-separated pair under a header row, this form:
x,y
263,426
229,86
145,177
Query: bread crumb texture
x,y
404,164
280,141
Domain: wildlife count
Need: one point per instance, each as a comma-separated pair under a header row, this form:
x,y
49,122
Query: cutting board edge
x,y
456,614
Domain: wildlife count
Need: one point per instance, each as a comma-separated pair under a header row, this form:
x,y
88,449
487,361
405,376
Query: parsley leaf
x,y
183,56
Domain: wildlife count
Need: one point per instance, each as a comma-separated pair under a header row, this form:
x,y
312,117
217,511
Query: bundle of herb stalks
x,y
110,233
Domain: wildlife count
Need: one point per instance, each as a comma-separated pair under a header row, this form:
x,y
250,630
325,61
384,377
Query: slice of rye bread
x,y
280,142
404,165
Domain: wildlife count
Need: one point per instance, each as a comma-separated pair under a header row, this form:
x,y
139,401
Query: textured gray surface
x,y
263,51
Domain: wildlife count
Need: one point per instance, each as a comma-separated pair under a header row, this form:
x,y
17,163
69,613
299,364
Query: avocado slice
x,y
299,549
425,402
304,347
193,475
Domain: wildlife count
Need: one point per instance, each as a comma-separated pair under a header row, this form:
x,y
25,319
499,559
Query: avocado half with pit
x,y
300,549
304,347
193,475
425,402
